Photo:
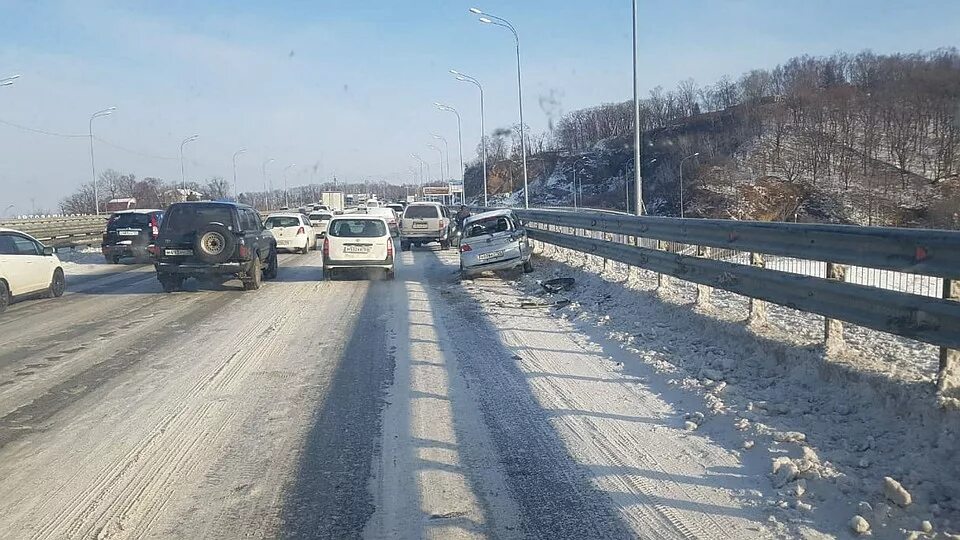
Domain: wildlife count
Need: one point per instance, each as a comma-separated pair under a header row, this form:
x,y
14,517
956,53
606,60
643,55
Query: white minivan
x,y
27,267
357,241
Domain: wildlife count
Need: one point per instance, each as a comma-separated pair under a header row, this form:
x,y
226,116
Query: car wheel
x,y
4,296
114,259
255,276
171,282
390,275
214,243
444,244
404,246
272,266
527,267
328,274
57,285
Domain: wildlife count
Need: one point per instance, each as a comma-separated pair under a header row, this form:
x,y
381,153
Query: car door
x,y
13,267
23,263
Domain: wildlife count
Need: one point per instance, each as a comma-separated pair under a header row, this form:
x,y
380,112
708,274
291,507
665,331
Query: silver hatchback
x,y
493,240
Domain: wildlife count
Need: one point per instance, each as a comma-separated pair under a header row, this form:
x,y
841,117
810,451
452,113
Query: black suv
x,y
202,239
130,233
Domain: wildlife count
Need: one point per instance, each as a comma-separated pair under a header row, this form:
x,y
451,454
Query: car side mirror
x,y
48,250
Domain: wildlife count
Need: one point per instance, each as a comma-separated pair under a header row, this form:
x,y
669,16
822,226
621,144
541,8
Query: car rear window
x,y
421,211
119,221
320,217
357,228
282,221
488,225
187,218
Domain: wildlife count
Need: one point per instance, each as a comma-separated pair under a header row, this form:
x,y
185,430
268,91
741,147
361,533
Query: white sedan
x,y
357,241
27,267
292,231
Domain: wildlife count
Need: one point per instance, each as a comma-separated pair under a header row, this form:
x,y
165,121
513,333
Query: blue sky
x,y
347,87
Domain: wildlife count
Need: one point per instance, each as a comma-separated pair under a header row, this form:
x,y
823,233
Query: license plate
x,y
282,242
178,252
356,249
420,225
128,233
491,255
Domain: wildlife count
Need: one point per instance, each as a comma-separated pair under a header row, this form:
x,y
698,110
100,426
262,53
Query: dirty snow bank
x,y
838,432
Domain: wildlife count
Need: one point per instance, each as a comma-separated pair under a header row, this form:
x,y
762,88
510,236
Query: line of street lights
x,y
488,18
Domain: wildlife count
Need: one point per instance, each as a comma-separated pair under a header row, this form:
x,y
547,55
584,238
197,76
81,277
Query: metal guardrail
x,y
917,251
61,231
654,243
931,320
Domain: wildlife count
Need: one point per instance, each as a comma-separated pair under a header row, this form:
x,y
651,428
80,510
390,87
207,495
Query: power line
x,y
41,131
135,152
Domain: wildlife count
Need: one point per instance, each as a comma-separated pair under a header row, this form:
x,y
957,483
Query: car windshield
x,y
357,228
187,218
281,221
489,225
128,220
421,211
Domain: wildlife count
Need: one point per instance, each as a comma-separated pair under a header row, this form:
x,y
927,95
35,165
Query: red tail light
x,y
152,250
326,247
465,248
244,252
301,231
154,228
389,248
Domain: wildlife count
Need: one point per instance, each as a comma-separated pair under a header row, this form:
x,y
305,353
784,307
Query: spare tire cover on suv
x,y
214,243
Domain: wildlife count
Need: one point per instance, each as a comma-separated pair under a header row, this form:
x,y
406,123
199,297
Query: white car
x,y
393,223
319,219
292,231
358,241
27,267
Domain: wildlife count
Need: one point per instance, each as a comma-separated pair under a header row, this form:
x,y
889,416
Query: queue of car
x,y
222,240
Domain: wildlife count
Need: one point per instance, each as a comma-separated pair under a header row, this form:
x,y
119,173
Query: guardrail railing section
x,y
899,281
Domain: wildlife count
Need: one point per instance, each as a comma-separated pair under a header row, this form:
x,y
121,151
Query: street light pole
x,y
183,176
638,178
448,108
498,21
483,133
440,153
266,193
236,193
286,191
446,148
681,179
93,165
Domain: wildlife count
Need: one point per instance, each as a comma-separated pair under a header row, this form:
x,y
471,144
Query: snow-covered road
x,y
418,408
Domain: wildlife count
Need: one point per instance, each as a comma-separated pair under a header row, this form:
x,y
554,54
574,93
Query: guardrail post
x,y
663,280
832,328
948,376
758,308
703,291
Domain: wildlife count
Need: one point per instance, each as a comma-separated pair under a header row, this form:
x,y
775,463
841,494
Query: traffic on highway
x,y
527,270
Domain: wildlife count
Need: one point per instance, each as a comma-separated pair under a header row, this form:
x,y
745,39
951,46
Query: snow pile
x,y
856,434
83,260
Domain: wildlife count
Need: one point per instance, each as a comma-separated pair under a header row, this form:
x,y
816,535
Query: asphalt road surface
x,y
356,408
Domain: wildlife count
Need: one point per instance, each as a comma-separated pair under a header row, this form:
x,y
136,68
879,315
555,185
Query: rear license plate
x,y
128,232
491,255
356,249
422,225
282,242
178,252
